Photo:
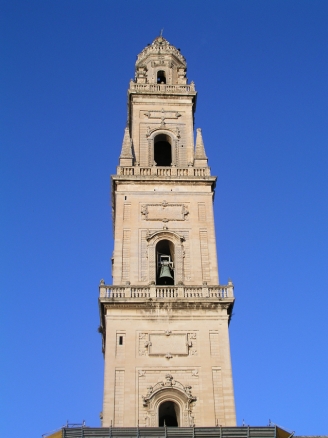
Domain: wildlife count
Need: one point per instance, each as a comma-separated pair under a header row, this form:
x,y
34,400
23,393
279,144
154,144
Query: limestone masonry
x,y
164,321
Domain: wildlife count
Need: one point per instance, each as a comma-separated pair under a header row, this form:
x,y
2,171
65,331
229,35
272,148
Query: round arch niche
x,y
171,142
161,77
163,150
177,242
165,258
171,402
168,414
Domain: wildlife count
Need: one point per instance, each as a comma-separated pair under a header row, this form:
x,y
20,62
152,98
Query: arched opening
x,y
162,150
161,78
165,263
168,414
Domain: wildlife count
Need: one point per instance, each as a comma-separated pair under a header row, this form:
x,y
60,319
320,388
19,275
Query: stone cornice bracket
x,y
126,157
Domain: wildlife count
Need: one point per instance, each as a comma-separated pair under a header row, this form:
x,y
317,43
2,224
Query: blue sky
x,y
260,69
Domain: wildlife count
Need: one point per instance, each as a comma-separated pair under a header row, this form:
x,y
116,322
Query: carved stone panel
x,y
143,344
164,212
161,344
162,115
167,344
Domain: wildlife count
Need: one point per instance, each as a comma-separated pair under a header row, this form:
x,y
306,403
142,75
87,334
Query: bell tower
x,y
164,321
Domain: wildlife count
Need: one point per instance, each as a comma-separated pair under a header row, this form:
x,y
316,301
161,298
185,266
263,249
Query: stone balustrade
x,y
155,291
164,171
162,88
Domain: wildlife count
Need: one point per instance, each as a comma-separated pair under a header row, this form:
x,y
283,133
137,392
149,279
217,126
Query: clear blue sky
x,y
261,69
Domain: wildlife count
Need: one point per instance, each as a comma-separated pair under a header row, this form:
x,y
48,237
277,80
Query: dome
x,y
160,46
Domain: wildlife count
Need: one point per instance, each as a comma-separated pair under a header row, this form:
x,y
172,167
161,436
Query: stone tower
x,y
164,321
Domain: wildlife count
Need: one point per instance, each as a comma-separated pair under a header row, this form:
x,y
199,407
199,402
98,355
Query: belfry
x,y
164,320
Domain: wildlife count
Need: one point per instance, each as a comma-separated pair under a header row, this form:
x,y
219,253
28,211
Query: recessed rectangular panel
x,y
168,212
161,344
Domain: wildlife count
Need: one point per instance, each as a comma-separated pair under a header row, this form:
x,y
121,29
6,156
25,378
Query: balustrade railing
x,y
167,292
153,291
164,171
193,292
162,88
139,292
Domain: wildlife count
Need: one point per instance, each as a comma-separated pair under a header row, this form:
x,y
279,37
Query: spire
x,y
126,156
200,155
200,149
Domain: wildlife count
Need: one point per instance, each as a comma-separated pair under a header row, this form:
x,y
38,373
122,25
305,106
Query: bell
x,y
165,272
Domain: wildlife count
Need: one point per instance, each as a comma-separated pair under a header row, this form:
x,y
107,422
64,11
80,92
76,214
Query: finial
x,y
161,33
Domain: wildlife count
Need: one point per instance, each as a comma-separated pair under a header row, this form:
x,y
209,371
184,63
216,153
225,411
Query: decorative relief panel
x,y
162,115
164,212
143,344
167,344
192,342
161,344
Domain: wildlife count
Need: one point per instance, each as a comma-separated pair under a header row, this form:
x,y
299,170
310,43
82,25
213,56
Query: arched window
x,y
162,150
172,246
168,414
161,78
165,263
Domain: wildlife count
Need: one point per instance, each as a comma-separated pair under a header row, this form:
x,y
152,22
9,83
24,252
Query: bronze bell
x,y
165,272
